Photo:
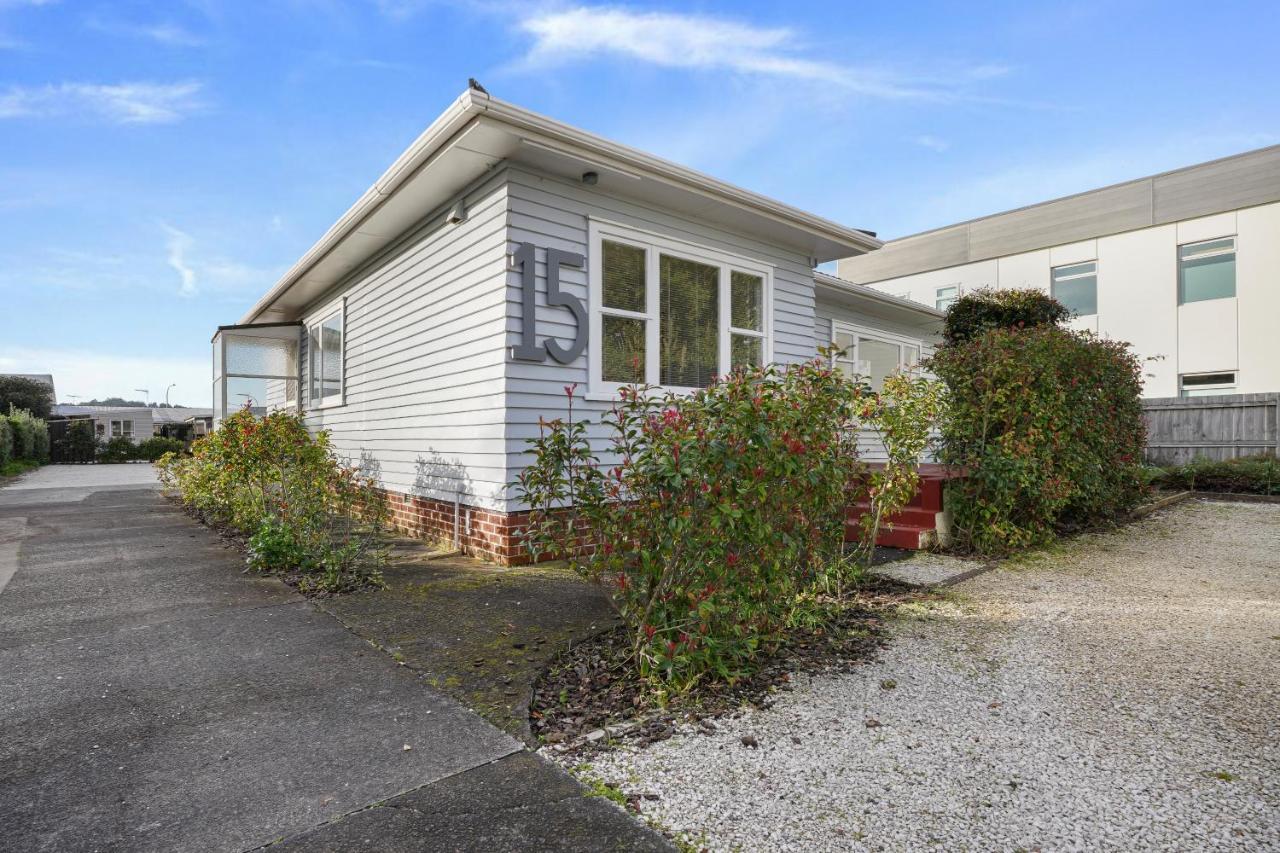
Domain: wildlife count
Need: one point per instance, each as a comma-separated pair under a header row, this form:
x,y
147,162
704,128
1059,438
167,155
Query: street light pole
x,y
146,395
172,385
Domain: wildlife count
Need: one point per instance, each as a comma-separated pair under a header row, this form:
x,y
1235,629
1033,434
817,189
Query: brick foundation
x,y
484,533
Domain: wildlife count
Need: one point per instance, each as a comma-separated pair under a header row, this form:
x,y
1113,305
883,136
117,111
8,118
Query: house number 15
x,y
529,349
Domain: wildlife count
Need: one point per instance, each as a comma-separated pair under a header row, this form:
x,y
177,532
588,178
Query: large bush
x,y
117,449
28,395
6,442
1048,423
153,448
30,435
304,512
983,310
716,515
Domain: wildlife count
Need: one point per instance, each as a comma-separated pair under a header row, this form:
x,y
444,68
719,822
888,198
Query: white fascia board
x,y
862,291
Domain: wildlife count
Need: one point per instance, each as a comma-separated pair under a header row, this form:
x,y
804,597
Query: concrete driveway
x,y
153,697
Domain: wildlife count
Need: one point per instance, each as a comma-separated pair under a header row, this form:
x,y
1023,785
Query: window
x,y
1207,270
944,296
872,356
1206,384
1076,287
672,314
100,429
122,429
325,357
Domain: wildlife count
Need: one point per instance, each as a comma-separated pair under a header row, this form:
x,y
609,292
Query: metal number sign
x,y
528,348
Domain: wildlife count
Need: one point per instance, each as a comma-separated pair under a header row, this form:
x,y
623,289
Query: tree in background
x,y
29,395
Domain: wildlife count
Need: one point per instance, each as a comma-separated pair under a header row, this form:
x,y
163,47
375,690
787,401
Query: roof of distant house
x,y
159,414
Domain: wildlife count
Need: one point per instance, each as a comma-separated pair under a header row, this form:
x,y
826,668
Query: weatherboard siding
x,y
424,361
551,212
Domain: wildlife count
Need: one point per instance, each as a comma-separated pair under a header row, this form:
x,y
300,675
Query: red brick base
x,y
484,533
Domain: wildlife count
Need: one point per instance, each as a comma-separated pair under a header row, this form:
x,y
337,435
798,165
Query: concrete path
x,y
153,697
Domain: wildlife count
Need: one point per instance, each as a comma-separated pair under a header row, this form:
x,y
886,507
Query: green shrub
x,y
118,449
304,512
1254,475
715,517
24,434
983,310
6,441
78,443
153,448
1048,423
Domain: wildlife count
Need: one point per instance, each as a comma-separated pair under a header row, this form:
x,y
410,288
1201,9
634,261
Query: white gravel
x,y
1081,701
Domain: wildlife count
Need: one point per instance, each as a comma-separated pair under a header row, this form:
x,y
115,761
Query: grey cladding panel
x,y
1243,181
1067,220
945,248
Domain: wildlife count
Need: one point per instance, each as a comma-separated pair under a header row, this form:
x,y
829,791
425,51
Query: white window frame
x,y
902,342
1234,250
655,245
338,308
121,428
937,298
1054,281
1208,390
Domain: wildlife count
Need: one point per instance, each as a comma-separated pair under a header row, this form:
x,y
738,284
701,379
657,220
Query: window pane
x,y
844,345
313,372
877,359
1191,250
945,296
689,300
745,351
911,356
623,275
747,300
623,349
262,356
1213,277
331,345
1076,287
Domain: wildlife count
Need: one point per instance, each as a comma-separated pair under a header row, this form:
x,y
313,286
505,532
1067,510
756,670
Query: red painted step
x,y
915,527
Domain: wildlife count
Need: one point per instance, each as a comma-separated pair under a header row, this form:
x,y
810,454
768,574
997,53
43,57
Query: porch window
x,y
326,355
672,314
256,367
872,356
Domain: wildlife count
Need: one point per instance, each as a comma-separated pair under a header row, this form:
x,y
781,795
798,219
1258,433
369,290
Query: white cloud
x,y
163,32
122,103
88,374
933,143
177,246
675,40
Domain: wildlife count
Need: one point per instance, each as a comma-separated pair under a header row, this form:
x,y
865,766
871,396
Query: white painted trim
x,y
656,244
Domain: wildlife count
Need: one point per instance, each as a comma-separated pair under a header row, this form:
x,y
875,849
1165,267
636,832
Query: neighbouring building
x,y
1184,265
138,423
505,256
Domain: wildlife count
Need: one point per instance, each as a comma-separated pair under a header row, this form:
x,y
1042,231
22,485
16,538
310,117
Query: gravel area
x,y
1120,693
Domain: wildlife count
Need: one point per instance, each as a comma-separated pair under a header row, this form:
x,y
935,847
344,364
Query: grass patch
x,y
15,467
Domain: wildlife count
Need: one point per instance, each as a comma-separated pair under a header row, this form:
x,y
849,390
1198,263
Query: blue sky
x,y
162,163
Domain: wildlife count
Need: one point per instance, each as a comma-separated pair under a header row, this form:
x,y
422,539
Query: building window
x,y
1206,384
121,429
673,314
1076,287
325,355
1207,270
872,356
100,429
944,296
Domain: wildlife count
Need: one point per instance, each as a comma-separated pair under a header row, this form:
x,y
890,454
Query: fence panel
x,y
1226,426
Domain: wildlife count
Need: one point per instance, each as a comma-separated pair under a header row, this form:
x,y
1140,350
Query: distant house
x,y
1183,265
138,423
505,256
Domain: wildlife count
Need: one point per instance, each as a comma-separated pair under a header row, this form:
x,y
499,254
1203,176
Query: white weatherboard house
x,y
504,256
1184,265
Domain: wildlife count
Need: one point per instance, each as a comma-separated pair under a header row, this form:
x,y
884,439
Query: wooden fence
x,y
1180,429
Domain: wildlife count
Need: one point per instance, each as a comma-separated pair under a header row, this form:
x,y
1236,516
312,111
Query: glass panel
x,y
623,274
331,344
747,292
689,299
218,414
1192,250
260,395
1079,294
622,349
910,356
1209,379
313,372
945,296
844,344
877,359
1060,273
260,356
217,356
1212,277
745,351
